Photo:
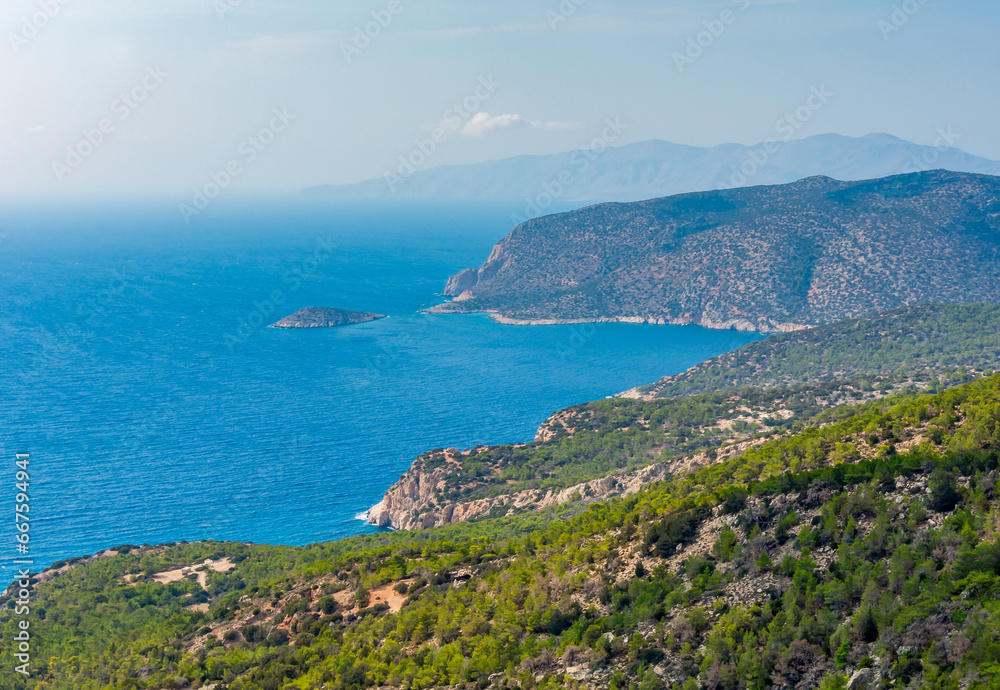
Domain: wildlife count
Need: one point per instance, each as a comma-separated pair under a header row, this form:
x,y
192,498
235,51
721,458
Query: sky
x,y
118,97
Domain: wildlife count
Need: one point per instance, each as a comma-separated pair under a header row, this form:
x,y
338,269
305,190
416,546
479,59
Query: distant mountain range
x,y
773,258
658,168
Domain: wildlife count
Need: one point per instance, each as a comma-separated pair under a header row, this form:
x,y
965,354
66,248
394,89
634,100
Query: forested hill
x,y
920,338
761,258
861,553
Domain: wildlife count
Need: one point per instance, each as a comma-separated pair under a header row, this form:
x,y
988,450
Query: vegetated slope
x,y
658,168
615,447
761,258
913,339
865,550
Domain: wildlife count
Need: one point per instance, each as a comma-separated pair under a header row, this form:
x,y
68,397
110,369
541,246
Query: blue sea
x,y
156,408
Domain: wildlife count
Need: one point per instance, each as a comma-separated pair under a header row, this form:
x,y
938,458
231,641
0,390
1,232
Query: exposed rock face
x,y
321,317
411,503
414,501
862,679
465,280
769,259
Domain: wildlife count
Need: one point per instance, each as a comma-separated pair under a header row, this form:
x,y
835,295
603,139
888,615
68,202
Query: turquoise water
x,y
156,409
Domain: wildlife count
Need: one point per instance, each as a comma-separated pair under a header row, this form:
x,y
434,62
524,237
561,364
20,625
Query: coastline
x,y
384,513
742,325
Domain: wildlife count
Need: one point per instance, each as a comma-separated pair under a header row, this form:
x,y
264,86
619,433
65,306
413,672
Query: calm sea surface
x,y
155,408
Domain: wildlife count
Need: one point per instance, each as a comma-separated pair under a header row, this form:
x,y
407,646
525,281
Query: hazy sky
x,y
180,86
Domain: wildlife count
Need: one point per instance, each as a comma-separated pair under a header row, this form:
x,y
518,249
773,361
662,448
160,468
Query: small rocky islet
x,y
326,317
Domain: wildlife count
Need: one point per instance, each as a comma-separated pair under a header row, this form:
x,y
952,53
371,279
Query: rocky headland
x,y
769,259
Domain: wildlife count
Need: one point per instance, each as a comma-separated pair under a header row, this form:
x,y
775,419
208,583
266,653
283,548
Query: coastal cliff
x,y
413,502
663,438
424,497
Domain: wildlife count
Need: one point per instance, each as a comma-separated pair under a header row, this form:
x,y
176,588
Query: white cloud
x,y
484,123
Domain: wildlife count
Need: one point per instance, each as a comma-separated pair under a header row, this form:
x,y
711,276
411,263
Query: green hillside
x,y
864,548
920,338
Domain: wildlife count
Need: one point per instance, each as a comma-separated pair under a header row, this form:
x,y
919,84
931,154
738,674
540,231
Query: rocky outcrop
x,y
863,679
439,488
461,285
465,280
411,503
321,317
414,502
407,500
